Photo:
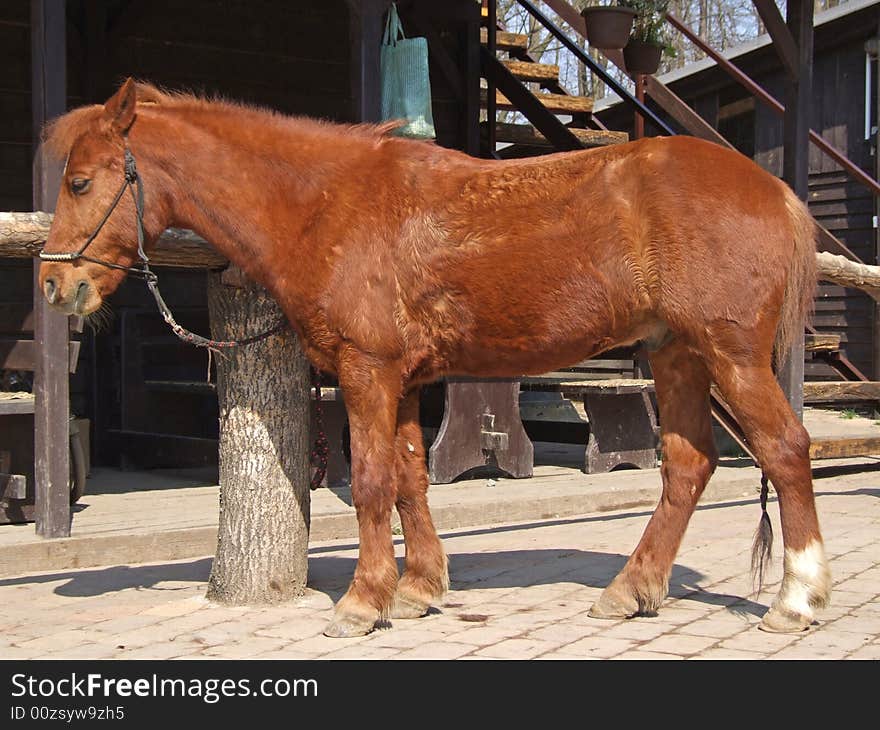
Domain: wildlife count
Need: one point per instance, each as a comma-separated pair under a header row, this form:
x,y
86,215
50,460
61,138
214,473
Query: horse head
x,y
99,227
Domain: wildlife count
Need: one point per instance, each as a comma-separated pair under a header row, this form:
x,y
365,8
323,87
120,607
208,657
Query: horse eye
x,y
79,185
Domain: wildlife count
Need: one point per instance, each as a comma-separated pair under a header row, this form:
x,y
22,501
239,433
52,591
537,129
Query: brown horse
x,y
399,262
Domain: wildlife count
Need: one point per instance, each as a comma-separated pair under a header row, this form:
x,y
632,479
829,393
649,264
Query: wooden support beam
x,y
51,387
796,162
783,41
22,235
365,31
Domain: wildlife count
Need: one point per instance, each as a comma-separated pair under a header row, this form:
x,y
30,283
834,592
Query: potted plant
x,y
648,39
608,26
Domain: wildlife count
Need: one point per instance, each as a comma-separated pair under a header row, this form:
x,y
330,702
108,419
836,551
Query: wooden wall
x,y
295,56
292,56
843,207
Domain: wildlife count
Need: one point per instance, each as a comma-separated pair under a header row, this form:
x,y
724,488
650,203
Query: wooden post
x,y
365,28
263,394
872,47
639,124
51,386
796,162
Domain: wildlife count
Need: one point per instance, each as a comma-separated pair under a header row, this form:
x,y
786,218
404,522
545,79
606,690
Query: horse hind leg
x,y
425,577
689,459
782,446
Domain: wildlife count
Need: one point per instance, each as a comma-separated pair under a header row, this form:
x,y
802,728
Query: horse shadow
x,y
510,569
331,574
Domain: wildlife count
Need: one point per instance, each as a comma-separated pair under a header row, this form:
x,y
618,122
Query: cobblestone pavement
x,y
518,591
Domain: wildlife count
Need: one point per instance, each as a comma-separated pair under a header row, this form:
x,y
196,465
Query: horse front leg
x,y
425,578
372,391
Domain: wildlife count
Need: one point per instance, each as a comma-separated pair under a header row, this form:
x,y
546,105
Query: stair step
x,y
526,134
556,103
843,391
820,342
525,71
841,448
506,41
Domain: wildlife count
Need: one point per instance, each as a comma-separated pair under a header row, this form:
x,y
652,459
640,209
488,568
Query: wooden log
x,y
22,235
840,270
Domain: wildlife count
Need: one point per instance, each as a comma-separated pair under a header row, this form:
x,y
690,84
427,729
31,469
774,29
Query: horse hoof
x,y
404,607
347,627
782,622
613,604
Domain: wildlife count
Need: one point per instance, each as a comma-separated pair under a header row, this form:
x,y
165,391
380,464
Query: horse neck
x,y
246,190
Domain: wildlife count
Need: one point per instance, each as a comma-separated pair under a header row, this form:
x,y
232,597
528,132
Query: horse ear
x,y
119,110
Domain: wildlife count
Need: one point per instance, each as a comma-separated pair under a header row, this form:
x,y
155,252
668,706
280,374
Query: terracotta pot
x,y
642,57
608,27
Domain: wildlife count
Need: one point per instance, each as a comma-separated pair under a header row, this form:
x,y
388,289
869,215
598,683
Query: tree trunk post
x,y
263,390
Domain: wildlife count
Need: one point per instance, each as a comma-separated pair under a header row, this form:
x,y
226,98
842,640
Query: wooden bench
x,y
18,356
621,420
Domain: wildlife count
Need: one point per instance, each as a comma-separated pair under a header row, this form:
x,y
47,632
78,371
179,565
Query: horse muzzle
x,y
69,292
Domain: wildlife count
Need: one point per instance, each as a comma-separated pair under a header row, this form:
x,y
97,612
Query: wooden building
x,y
144,392
134,381
844,110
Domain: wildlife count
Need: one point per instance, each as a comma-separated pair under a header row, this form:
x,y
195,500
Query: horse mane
x,y
60,134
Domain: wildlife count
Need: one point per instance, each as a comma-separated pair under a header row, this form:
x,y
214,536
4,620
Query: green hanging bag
x,y
406,83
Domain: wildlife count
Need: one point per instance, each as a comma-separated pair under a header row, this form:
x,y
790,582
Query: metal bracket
x,y
491,440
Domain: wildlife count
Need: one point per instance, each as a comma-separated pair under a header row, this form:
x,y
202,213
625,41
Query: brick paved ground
x,y
518,591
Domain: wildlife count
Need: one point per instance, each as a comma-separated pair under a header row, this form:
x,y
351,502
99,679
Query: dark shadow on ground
x,y
503,568
85,583
330,574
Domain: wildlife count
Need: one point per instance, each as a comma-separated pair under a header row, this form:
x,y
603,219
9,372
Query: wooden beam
x,y
22,235
365,30
840,270
783,41
844,448
51,387
841,391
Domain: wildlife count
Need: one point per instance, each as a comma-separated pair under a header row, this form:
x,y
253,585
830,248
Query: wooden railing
x,y
683,114
755,90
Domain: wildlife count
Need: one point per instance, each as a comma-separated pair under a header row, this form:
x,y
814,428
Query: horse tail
x,y
797,303
762,547
800,286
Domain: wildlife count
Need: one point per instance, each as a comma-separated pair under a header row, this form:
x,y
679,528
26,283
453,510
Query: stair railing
x,y
609,80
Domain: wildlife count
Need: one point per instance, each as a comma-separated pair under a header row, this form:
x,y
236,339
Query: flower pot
x,y
642,57
608,27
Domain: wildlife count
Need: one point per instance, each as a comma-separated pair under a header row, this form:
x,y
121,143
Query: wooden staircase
x,y
521,75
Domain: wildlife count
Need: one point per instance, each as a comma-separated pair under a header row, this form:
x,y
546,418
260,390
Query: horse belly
x,y
531,316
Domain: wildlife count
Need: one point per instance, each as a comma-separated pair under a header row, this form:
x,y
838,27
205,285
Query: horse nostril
x,y
82,291
51,290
